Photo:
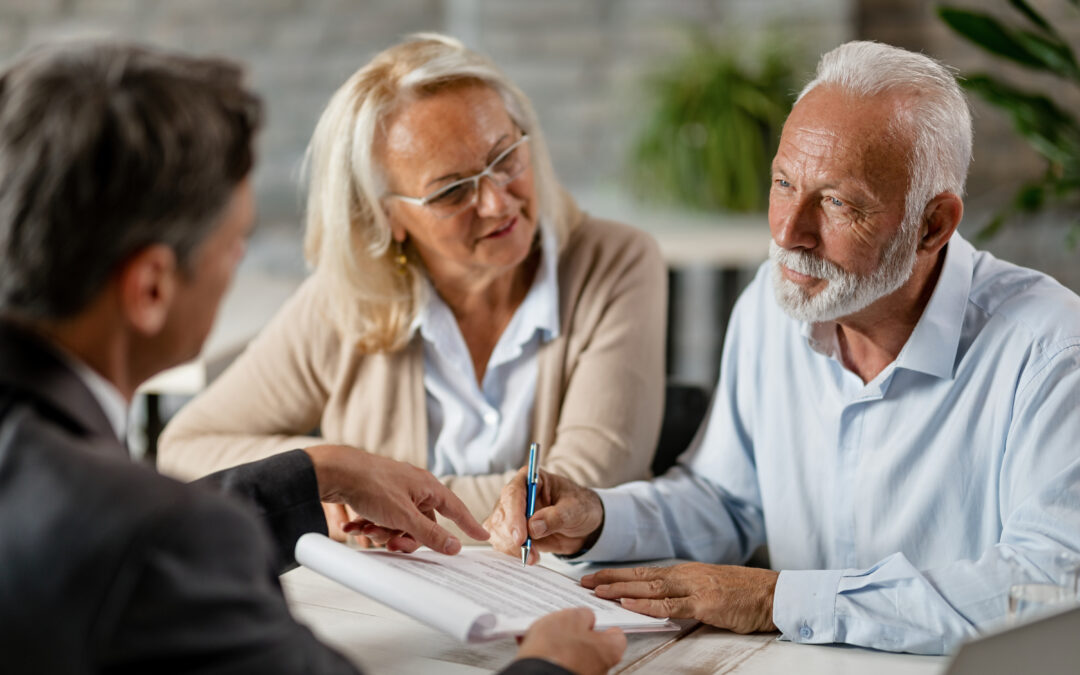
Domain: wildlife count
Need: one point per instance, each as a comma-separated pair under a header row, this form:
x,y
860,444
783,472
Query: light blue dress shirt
x,y
899,510
482,428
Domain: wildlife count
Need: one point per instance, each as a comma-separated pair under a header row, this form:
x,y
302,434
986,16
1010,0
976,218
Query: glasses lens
x,y
509,166
454,199
457,197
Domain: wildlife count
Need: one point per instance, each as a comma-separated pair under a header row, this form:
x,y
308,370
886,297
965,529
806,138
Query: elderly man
x,y
897,415
125,203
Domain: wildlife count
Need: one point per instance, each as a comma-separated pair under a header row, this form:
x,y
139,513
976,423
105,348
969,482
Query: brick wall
x,y
581,61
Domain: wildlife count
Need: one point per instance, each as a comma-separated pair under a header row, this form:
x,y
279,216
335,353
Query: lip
x,y
503,230
798,277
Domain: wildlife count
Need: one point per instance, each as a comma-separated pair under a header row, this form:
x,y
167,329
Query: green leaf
x,y
988,33
1053,133
1033,16
1031,197
1056,56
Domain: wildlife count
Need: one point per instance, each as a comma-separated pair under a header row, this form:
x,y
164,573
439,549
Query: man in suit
x,y
125,203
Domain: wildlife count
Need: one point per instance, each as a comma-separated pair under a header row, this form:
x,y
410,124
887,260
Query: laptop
x,y
1046,646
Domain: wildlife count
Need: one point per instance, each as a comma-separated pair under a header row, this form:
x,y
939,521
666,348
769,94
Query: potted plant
x,y
1051,130
715,121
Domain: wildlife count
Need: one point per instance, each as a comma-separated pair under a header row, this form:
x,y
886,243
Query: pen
x,y
530,505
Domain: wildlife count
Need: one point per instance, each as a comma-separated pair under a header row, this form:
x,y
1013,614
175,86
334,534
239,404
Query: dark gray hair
x,y
106,149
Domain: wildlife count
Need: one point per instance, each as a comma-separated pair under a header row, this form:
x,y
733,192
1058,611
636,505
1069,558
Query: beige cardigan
x,y
599,390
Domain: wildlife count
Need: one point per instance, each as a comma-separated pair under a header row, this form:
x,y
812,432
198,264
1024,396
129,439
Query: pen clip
x,y
534,448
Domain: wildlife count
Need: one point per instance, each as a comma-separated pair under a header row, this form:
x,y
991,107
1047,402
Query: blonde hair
x,y
348,239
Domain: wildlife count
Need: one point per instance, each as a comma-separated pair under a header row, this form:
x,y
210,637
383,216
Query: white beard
x,y
846,292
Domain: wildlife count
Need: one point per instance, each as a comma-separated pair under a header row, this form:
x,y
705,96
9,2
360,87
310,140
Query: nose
x,y
492,200
793,223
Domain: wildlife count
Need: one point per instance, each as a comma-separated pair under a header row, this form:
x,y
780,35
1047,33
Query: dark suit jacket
x,y
108,567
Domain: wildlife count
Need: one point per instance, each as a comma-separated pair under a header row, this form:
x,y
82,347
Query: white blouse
x,y
482,428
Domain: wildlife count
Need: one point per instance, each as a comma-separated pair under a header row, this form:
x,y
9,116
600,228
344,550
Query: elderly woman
x,y
460,307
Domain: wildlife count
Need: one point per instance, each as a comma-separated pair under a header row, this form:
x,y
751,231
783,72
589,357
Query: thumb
x,y
552,520
614,643
579,619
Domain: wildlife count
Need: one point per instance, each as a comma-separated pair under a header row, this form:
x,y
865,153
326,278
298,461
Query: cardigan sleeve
x,y
265,402
600,389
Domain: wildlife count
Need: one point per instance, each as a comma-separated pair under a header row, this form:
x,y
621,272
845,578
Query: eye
x,y
452,195
780,182
508,163
835,202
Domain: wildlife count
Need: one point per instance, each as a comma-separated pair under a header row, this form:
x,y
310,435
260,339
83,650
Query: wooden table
x,y
383,641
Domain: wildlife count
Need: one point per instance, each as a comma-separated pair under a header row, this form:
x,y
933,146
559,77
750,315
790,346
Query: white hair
x,y
935,116
348,236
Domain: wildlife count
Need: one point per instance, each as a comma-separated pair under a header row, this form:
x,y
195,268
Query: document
x,y
475,596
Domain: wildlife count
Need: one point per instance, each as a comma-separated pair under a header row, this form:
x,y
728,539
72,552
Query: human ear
x,y
147,288
940,219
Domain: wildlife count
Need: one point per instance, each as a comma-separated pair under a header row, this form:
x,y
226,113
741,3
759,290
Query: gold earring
x,y
401,259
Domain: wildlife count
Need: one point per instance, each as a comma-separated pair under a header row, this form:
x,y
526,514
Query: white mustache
x,y
805,263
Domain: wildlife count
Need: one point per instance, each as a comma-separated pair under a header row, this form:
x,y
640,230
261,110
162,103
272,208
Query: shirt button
x,y
806,633
491,418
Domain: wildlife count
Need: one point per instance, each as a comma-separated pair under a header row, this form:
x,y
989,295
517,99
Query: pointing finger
x,y
448,504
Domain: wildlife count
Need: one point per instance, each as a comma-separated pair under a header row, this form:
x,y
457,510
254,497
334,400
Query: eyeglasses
x,y
455,198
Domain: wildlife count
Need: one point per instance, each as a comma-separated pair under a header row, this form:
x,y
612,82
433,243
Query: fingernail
x,y
452,545
516,534
539,528
602,588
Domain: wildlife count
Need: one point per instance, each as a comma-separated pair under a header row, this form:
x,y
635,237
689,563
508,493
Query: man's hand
x,y
395,502
566,516
336,519
339,524
566,638
739,599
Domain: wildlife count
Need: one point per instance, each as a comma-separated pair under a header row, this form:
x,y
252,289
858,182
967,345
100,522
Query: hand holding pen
x,y
530,504
563,518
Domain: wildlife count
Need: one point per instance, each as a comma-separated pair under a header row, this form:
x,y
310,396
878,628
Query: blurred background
x,y
660,113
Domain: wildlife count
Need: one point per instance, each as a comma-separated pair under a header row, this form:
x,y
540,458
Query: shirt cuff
x,y
619,531
804,605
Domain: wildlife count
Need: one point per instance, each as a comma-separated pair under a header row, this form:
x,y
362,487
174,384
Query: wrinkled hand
x,y
567,638
395,502
739,599
567,516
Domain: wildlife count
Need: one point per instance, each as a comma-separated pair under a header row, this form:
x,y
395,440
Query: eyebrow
x,y
492,154
856,189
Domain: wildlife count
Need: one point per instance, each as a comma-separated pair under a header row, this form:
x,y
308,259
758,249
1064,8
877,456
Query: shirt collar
x,y
539,311
107,396
932,346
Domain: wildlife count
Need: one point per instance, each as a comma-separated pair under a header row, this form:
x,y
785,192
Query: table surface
x,y
384,641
